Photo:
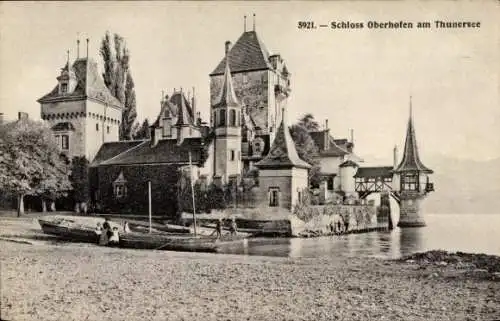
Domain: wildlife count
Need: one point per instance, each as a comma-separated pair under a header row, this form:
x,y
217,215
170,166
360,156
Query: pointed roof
x,y
411,160
120,178
89,85
282,153
248,53
183,115
173,104
227,97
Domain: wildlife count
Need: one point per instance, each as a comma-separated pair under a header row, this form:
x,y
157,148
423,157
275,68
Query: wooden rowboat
x,y
71,230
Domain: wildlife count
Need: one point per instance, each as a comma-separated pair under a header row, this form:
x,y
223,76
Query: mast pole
x,y
192,191
149,203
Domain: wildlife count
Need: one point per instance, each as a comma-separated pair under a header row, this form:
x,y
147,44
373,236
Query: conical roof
x,y
183,118
282,153
227,96
411,161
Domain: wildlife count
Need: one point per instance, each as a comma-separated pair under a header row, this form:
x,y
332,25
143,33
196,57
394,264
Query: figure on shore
x,y
218,228
114,239
126,228
233,227
107,227
98,232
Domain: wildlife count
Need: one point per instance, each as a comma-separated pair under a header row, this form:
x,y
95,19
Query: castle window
x,y
274,193
232,154
65,142
409,182
120,190
64,88
329,183
107,129
97,127
120,186
222,117
232,117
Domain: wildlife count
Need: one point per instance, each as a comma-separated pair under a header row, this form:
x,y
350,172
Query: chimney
x,y
352,136
326,136
1,118
228,46
395,154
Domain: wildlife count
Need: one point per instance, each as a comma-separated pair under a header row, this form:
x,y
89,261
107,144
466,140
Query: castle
x,y
247,131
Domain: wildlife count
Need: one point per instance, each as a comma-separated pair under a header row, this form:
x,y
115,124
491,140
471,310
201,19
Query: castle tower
x,y
261,81
226,118
283,176
81,111
413,179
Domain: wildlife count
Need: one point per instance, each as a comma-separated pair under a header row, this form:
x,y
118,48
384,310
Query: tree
x,y
308,122
55,183
118,78
79,178
30,162
142,131
307,150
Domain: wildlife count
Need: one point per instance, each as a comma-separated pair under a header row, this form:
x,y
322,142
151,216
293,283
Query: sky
x,y
356,78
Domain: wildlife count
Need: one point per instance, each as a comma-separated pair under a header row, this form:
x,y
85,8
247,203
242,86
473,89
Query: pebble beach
x,y
42,281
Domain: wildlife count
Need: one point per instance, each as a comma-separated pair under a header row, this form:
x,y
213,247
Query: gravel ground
x,y
85,282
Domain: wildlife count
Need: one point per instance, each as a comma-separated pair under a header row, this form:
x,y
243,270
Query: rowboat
x,y
75,230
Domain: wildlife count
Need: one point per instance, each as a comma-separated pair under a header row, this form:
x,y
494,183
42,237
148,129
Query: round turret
x,y
347,171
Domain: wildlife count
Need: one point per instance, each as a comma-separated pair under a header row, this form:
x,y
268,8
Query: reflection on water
x,y
467,233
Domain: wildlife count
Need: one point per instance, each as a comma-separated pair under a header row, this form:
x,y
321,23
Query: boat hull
x,y
134,240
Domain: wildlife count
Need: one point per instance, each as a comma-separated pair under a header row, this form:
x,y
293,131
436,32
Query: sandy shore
x,y
85,282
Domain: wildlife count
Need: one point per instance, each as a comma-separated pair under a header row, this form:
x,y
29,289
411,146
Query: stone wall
x,y
409,210
317,219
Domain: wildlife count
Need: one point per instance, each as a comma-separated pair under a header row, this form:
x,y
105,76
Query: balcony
x,y
429,187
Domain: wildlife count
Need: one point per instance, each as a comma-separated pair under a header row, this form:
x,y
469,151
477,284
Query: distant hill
x,y
461,185
464,186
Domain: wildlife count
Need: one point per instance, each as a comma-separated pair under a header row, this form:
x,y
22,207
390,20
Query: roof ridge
x,y
125,151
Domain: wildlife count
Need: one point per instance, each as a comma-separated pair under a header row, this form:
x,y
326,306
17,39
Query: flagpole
x,y
192,191
149,203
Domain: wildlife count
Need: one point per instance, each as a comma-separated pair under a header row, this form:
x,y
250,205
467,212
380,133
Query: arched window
x,y
232,117
222,117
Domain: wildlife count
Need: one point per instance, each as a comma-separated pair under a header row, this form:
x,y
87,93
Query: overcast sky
x,y
359,79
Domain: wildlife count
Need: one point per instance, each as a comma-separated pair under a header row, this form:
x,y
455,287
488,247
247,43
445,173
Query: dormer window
x,y
120,187
64,88
258,146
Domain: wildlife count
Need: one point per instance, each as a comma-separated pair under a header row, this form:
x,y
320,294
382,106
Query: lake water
x,y
467,233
